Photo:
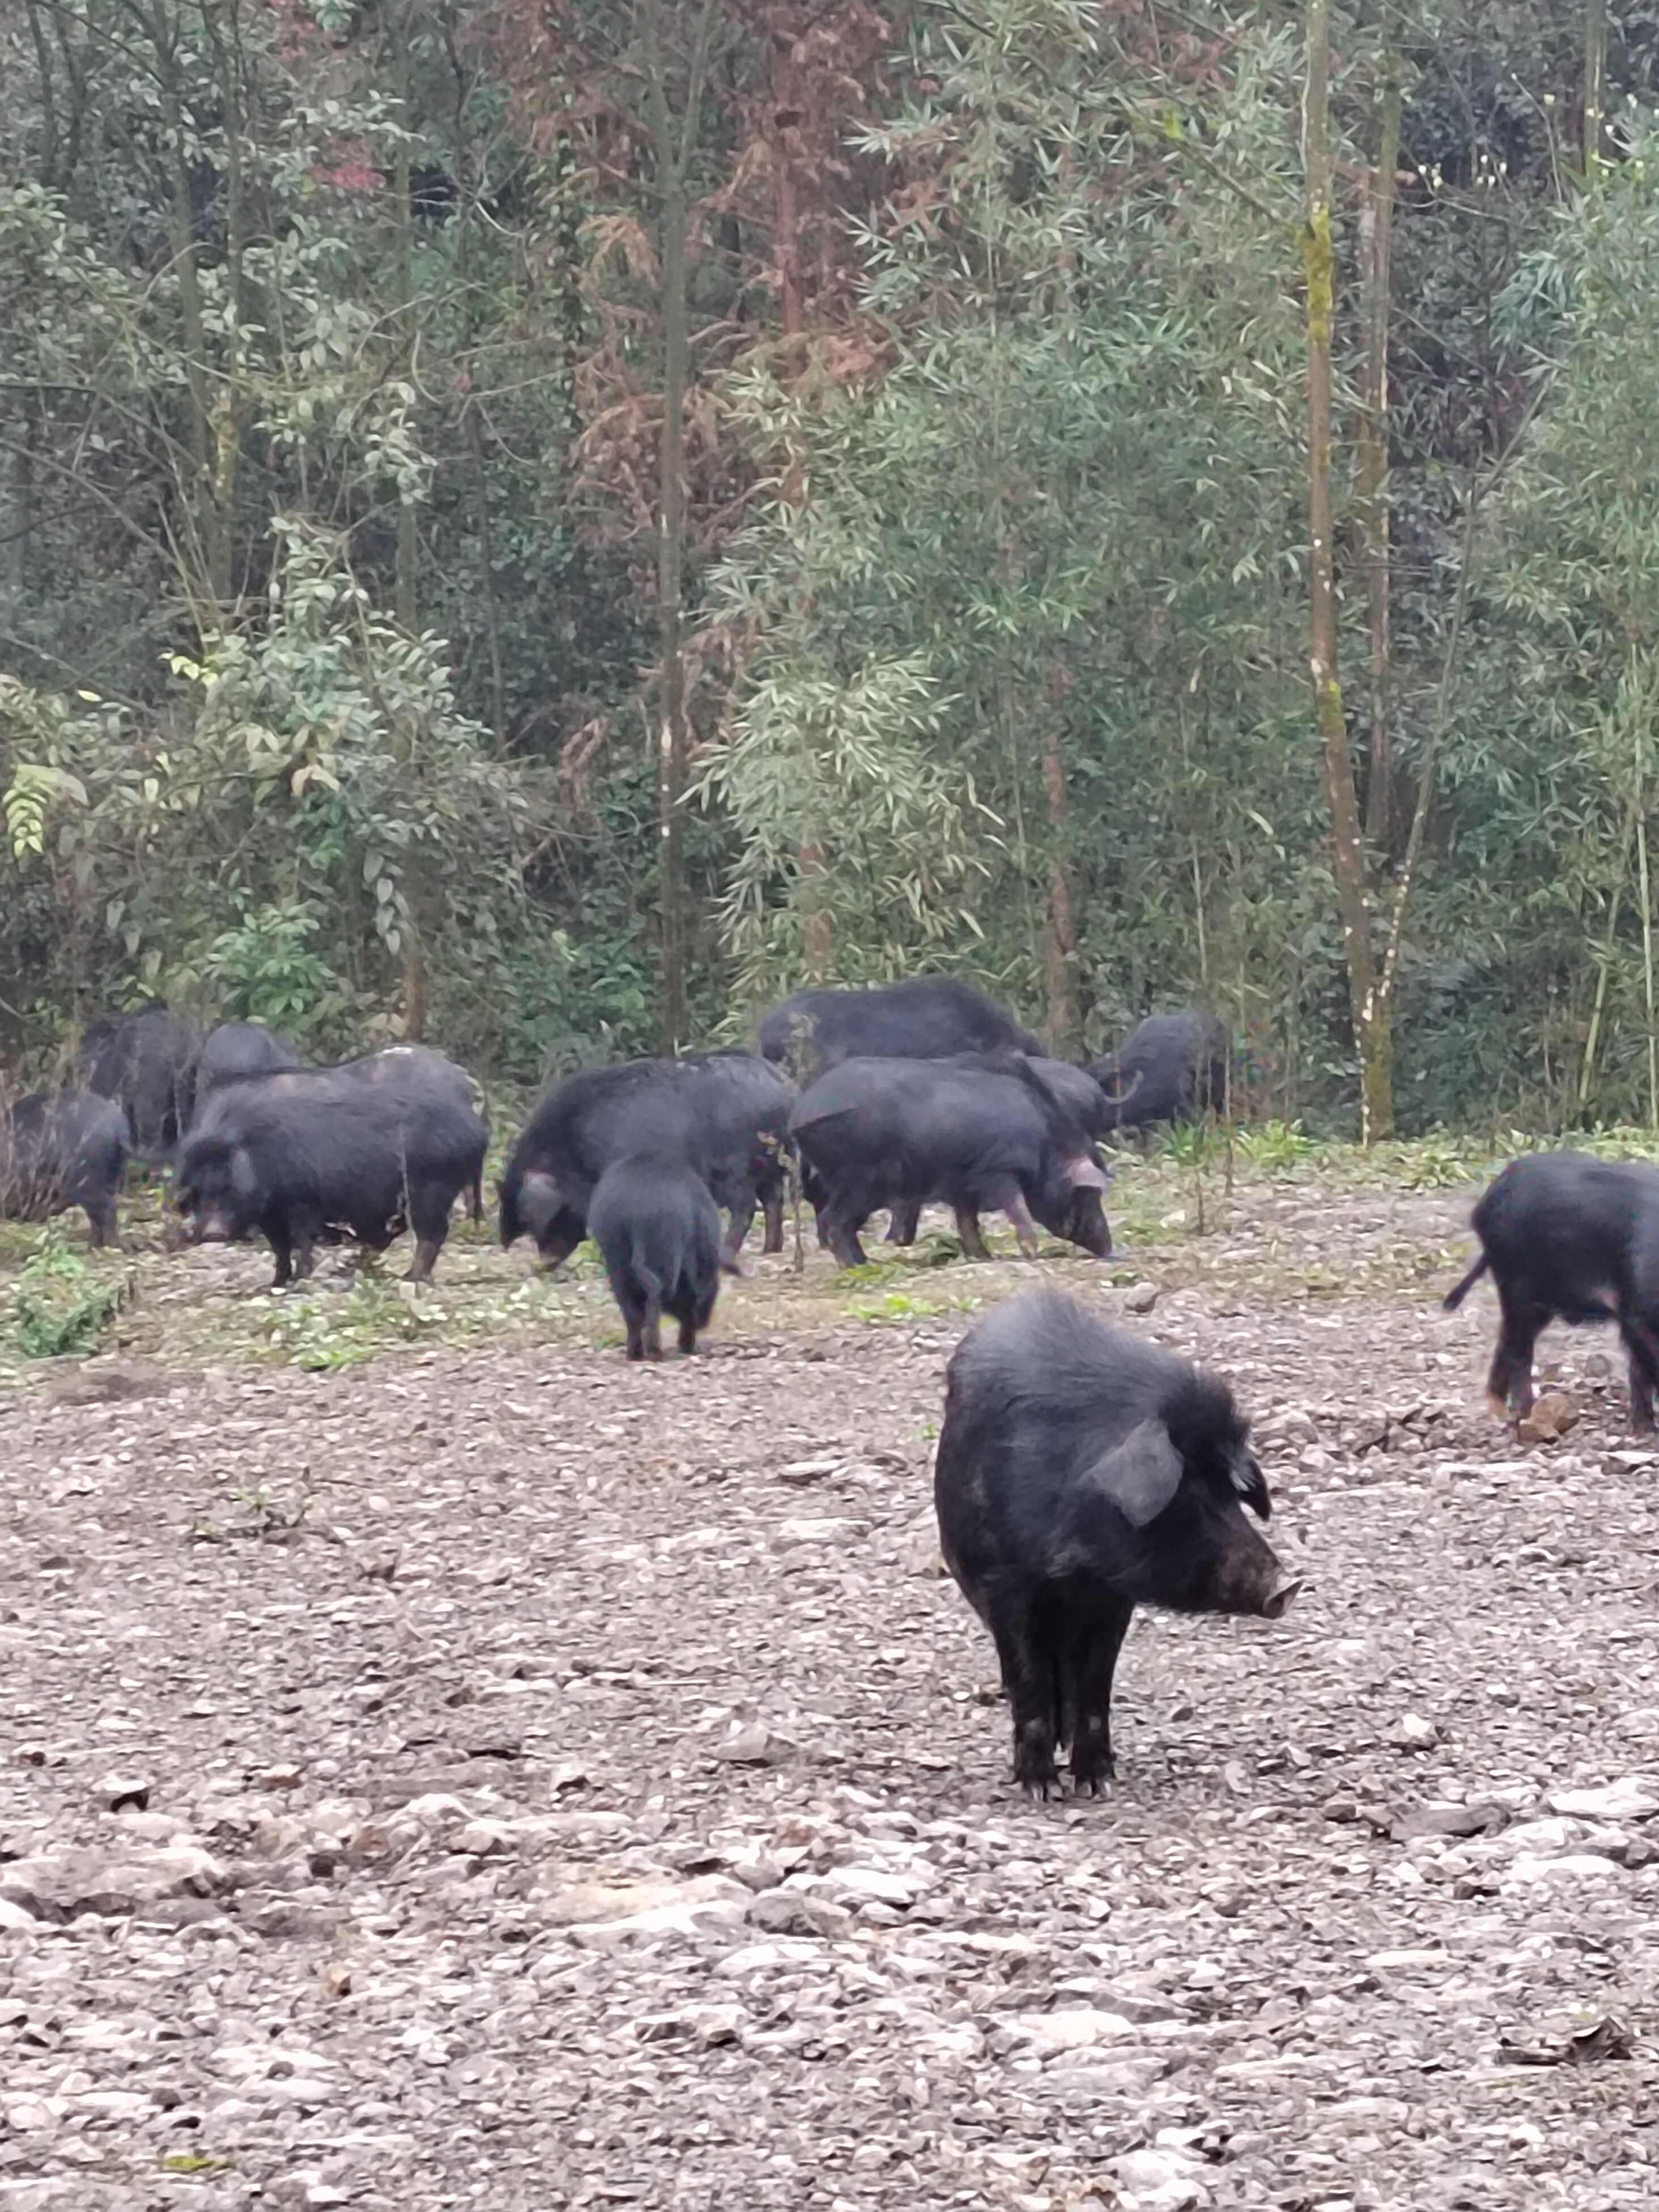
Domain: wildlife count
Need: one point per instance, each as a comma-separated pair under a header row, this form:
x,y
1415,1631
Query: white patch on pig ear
x,y
1084,1174
1142,1474
243,1180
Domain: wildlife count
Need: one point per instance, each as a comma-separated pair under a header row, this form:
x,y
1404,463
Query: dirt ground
x,y
498,1776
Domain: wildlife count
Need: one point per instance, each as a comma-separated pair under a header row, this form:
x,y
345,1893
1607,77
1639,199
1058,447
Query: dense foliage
x,y
369,664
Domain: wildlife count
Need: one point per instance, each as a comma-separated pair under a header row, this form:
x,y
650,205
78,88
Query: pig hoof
x,y
1038,1778
1497,1407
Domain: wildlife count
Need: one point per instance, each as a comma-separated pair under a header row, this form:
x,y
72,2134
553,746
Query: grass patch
x,y
62,1303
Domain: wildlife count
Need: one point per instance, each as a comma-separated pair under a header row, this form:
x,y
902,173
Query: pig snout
x,y
1251,1579
1279,1600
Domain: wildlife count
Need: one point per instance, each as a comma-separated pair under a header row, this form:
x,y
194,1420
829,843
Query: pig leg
x,y
973,1244
282,1252
1028,1677
1642,1347
100,1226
1025,1228
1096,1660
426,1250
902,1222
742,1213
429,1208
1509,1385
841,1231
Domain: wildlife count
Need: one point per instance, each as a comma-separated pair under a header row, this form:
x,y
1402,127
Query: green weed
x,y
264,1520
1276,1147
62,1305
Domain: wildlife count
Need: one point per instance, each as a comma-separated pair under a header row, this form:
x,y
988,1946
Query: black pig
x,y
63,1149
924,1018
1075,1090
977,1133
146,1062
1168,1068
306,1154
658,1232
236,1049
1574,1239
725,1113
1082,1472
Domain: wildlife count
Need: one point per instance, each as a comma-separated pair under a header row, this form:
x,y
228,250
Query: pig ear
x,y
1085,1175
1251,1485
1142,1474
243,1181
539,1198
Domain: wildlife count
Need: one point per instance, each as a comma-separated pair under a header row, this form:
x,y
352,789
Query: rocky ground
x,y
503,1777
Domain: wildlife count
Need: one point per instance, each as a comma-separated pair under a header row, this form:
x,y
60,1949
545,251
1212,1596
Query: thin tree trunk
x,y
817,922
403,271
671,580
1370,1027
1376,239
406,577
1060,948
1595,73
201,507
1647,960
674,153
472,419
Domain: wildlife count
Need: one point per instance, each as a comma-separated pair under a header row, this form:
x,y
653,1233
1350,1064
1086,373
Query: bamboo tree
x,y
1371,495
1371,1030
210,425
407,586
1595,72
673,149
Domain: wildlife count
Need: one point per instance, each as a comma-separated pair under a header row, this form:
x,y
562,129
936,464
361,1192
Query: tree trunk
x,y
406,577
1371,1025
1595,73
1376,238
402,278
1059,943
207,418
672,154
817,922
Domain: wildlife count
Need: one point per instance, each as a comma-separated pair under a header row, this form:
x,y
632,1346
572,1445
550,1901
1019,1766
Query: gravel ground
x,y
511,1778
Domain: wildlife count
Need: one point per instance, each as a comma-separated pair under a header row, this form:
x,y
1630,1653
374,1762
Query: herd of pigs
x,y
1081,1470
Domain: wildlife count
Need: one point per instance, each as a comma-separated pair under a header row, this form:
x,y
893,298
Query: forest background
x,y
545,523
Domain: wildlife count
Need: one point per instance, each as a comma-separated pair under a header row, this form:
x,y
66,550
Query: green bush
x,y
61,1306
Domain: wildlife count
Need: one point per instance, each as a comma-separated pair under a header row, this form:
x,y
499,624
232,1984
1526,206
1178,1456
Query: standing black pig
x,y
146,1062
979,1131
658,1232
725,1113
1169,1068
308,1153
62,1148
238,1048
1574,1239
418,1073
926,1017
1082,1472
1077,1092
